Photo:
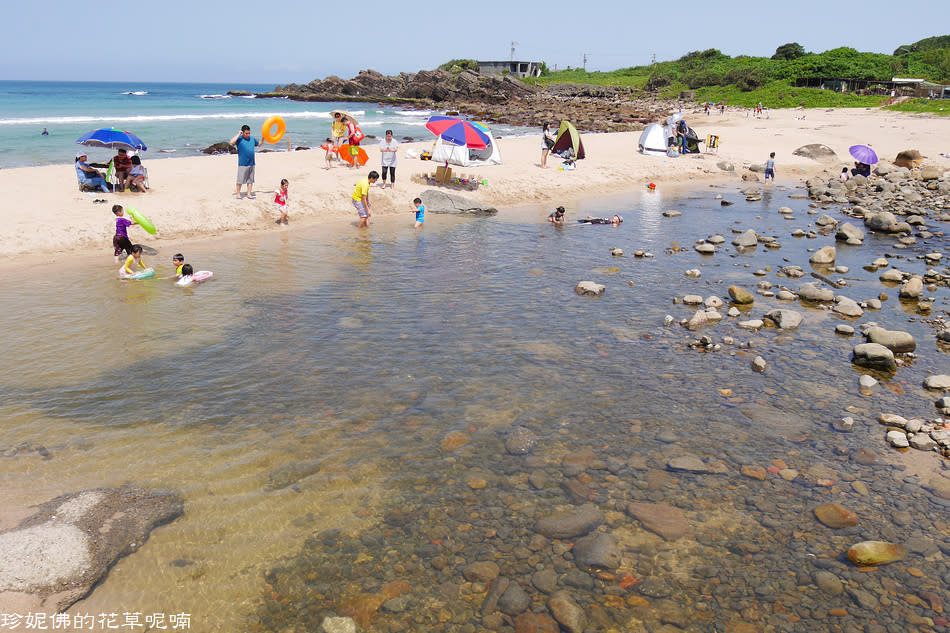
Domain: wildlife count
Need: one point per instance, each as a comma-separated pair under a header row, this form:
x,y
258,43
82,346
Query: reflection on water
x,y
333,409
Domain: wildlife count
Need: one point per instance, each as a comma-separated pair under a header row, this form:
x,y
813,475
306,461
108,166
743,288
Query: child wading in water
x,y
135,257
420,211
121,240
770,168
280,201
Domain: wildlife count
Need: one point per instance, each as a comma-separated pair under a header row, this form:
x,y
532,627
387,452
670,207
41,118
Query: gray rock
x,y
596,551
828,583
746,240
892,275
672,213
688,463
873,356
332,624
759,364
897,439
844,425
785,295
900,342
589,289
515,600
811,292
664,520
692,300
864,599
440,202
568,614
816,151
785,319
725,166
844,328
740,295
823,220
571,523
867,382
847,232
705,248
938,382
913,288
824,255
698,320
520,440
545,580
847,307
922,442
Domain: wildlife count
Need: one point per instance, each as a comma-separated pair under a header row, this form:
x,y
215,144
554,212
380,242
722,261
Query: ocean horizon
x,y
173,119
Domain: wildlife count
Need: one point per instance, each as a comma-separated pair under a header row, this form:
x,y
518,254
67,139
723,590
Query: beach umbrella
x,y
112,138
863,154
349,117
568,138
459,132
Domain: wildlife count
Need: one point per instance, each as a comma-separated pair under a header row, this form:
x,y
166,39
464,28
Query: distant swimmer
x,y
45,132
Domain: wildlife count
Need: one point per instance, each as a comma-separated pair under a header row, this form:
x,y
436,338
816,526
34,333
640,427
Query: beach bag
x,y
357,136
549,142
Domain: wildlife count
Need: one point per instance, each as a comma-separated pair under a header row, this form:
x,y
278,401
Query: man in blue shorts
x,y
245,144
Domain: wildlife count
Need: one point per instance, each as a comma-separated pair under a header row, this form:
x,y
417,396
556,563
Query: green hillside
x,y
745,80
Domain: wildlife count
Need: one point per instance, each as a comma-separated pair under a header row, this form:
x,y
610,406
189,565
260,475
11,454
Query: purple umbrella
x,y
863,154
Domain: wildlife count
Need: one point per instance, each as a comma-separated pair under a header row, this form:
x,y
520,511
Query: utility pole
x,y
653,61
585,62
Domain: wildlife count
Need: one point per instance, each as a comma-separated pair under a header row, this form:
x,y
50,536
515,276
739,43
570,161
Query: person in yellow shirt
x,y
361,198
135,257
337,130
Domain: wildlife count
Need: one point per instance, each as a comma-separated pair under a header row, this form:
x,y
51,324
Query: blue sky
x,y
238,41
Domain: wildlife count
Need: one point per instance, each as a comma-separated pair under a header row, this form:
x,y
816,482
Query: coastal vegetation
x,y
776,80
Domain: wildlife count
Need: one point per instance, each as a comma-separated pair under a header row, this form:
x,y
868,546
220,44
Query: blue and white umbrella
x,y
112,138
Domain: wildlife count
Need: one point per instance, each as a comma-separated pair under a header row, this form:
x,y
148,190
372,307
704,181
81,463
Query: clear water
x,y
304,393
173,119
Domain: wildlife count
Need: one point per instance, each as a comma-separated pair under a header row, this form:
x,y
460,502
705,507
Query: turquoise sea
x,y
174,119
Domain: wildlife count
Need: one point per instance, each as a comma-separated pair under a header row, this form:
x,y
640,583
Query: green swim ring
x,y
141,220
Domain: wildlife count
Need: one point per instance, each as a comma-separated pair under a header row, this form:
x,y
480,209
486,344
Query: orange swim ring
x,y
277,134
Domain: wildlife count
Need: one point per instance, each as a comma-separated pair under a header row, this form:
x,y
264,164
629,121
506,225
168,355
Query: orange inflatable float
x,y
268,126
361,156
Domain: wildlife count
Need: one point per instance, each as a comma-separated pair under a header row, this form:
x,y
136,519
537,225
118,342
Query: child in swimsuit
x,y
617,219
135,257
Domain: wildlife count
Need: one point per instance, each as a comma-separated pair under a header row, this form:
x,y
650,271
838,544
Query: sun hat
x,y
80,153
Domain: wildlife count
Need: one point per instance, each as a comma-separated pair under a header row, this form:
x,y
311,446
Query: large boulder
x,y
824,256
816,151
785,319
56,556
894,340
440,202
873,356
848,232
747,239
909,158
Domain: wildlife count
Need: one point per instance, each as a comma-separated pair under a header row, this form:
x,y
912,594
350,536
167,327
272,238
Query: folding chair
x,y
712,143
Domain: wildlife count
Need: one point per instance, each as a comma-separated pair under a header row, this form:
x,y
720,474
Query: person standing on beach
x,y
245,144
547,142
337,129
121,242
770,168
387,148
361,198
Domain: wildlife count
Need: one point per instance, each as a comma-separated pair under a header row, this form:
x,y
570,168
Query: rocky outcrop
x,y
490,98
56,556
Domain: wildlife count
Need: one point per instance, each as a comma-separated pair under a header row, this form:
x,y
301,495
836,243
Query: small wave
x,y
48,121
167,151
215,96
137,93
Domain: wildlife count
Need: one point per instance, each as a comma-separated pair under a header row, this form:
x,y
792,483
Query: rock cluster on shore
x,y
494,99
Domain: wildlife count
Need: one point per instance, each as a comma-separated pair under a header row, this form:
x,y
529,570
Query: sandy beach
x,y
47,218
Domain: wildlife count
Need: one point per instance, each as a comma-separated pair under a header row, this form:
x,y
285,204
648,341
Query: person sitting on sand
x,y
557,217
617,219
122,165
89,177
136,176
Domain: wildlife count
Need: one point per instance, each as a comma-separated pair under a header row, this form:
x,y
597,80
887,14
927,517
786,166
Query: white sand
x,y
47,219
